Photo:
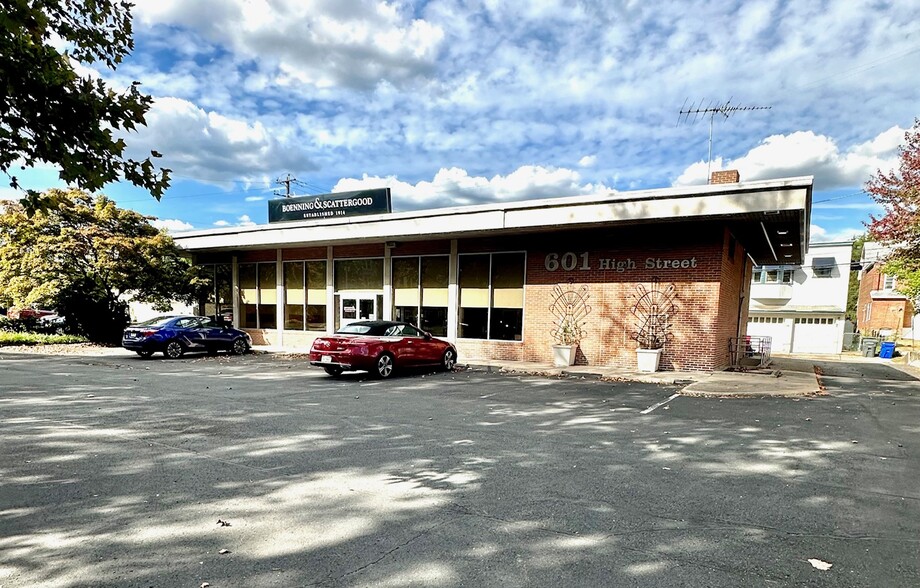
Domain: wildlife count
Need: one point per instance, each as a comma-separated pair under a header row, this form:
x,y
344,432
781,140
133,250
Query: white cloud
x,y
208,145
322,43
821,235
806,153
454,186
241,221
171,225
587,161
255,198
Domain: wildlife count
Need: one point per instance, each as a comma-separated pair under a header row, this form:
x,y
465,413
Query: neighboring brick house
x,y
802,308
880,308
486,276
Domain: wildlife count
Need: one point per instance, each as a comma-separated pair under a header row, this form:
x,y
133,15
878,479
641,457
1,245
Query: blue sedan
x,y
175,335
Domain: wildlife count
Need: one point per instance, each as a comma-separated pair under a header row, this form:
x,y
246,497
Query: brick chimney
x,y
725,176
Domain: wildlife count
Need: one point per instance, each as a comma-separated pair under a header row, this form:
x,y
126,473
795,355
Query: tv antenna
x,y
696,111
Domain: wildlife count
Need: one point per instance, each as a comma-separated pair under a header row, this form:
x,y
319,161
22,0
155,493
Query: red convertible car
x,y
379,347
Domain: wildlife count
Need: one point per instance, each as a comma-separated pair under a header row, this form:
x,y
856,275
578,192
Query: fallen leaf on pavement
x,y
821,565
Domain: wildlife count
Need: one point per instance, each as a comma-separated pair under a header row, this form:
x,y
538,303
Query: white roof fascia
x,y
646,205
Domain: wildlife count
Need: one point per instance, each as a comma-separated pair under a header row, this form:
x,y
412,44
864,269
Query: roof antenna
x,y
691,114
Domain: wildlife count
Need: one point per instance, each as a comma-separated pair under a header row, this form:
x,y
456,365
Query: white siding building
x,y
803,307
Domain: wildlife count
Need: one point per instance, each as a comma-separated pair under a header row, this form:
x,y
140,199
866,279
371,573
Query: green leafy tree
x,y
87,258
898,192
50,114
853,289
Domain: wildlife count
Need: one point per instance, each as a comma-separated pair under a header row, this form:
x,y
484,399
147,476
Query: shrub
x,y
16,338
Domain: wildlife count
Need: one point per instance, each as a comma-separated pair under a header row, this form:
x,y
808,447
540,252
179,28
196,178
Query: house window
x,y
492,296
258,295
868,312
823,267
888,282
305,295
772,275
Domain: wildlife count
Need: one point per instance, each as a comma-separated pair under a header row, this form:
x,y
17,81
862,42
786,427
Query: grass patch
x,y
37,339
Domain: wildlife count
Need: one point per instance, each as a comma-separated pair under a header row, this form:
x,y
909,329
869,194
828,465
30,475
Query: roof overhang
x,y
770,218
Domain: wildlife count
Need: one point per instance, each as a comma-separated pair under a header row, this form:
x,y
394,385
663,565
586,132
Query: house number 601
x,y
567,261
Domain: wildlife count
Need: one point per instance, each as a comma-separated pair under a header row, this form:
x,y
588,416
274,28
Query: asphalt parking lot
x,y
116,470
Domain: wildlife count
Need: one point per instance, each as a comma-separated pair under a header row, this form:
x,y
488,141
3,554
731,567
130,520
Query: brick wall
x,y
726,176
886,313
700,327
347,251
420,248
307,253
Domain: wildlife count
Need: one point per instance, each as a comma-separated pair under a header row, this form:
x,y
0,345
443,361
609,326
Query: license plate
x,y
130,335
325,359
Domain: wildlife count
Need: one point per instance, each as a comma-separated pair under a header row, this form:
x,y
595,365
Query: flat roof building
x,y
667,266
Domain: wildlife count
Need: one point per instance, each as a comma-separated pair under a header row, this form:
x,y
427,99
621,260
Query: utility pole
x,y
287,181
695,112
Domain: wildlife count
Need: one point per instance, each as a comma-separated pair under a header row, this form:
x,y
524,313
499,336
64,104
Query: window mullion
x,y
489,308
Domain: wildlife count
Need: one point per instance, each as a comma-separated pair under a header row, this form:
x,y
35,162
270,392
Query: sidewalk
x,y
742,384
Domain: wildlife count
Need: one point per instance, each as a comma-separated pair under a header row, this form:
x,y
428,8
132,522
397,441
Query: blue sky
x,y
473,101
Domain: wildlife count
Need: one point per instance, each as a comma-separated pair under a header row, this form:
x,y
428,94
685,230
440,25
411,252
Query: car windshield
x,y
354,330
156,322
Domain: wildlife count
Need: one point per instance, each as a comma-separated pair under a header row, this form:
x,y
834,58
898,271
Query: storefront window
x,y
294,293
507,317
218,301
358,274
268,296
406,289
249,296
316,295
305,295
492,296
420,287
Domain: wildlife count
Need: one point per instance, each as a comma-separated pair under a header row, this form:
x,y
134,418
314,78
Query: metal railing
x,y
750,352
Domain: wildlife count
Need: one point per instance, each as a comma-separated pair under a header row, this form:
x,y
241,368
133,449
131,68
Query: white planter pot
x,y
647,359
563,355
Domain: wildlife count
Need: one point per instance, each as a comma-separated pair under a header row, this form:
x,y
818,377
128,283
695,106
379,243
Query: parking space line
x,y
660,404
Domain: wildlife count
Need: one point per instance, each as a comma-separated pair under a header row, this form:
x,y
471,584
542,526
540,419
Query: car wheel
x,y
384,366
449,360
333,371
145,353
239,346
174,350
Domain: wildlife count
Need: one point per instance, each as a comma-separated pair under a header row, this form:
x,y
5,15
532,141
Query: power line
x,y
840,197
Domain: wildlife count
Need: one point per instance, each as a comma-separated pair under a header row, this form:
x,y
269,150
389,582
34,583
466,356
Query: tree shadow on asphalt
x,y
442,480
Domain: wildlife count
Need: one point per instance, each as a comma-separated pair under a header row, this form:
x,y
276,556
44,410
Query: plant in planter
x,y
570,310
653,309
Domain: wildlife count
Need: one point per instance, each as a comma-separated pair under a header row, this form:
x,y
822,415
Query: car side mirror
x,y
427,335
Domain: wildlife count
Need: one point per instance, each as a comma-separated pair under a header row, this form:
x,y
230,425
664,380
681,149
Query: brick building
x,y
493,278
880,307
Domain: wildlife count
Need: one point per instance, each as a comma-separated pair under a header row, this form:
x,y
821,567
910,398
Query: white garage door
x,y
775,327
815,335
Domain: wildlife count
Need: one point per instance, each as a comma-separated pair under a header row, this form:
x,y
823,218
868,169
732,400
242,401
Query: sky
x,y
452,102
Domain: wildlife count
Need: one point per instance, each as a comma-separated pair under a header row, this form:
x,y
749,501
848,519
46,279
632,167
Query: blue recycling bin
x,y
887,351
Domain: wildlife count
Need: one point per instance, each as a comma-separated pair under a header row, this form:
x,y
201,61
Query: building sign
x,y
570,260
376,201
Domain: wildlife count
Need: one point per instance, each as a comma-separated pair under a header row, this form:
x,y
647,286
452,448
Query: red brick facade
x,y
872,315
708,295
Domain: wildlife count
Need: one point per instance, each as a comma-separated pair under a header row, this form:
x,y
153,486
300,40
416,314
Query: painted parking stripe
x,y
660,404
